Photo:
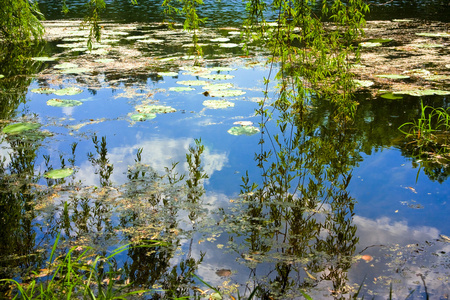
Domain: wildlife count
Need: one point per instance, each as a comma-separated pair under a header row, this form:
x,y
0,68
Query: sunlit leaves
x,y
63,103
243,130
59,173
218,104
17,128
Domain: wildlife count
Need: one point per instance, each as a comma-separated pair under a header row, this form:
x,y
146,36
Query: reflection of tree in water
x,y
18,189
300,218
18,183
16,65
151,207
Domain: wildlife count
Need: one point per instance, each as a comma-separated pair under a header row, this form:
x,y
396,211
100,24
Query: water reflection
x,y
230,13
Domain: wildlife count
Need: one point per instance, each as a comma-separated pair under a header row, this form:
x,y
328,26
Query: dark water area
x,y
382,218
232,12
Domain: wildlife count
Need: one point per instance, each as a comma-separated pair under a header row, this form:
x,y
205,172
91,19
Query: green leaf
x,y
43,90
44,58
58,173
369,44
215,104
419,93
168,74
392,76
68,91
391,96
226,93
243,130
63,103
142,116
20,127
434,34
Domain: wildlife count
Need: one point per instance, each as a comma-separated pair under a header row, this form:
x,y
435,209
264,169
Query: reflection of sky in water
x,y
384,184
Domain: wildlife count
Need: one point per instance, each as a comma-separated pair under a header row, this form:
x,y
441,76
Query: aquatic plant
x,y
429,135
80,273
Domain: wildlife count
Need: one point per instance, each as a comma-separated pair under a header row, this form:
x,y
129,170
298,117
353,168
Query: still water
x,y
123,189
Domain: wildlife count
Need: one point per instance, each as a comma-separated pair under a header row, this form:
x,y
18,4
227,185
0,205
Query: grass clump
x,y
79,274
429,135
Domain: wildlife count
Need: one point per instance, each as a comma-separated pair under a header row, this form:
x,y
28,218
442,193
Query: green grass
x,y
430,133
79,274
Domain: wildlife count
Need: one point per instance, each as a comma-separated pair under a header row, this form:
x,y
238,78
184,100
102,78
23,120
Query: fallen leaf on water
x,y
445,238
309,275
223,272
367,257
412,189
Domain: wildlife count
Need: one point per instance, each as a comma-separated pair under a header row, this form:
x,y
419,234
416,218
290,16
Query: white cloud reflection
x,y
159,153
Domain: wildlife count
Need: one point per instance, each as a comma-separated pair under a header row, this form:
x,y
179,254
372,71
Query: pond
x,y
164,147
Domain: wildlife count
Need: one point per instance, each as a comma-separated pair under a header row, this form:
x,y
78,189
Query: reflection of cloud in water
x,y
68,110
159,153
385,231
400,254
5,151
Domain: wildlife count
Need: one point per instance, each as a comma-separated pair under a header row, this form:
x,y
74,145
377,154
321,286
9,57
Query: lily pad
x,y
419,93
63,103
363,83
43,90
71,45
217,86
369,44
155,109
44,58
434,34
391,96
151,41
418,72
429,45
181,89
228,45
220,40
243,130
17,128
392,76
142,117
226,93
193,82
437,77
218,104
68,91
58,173
169,74
65,66
402,20
217,76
